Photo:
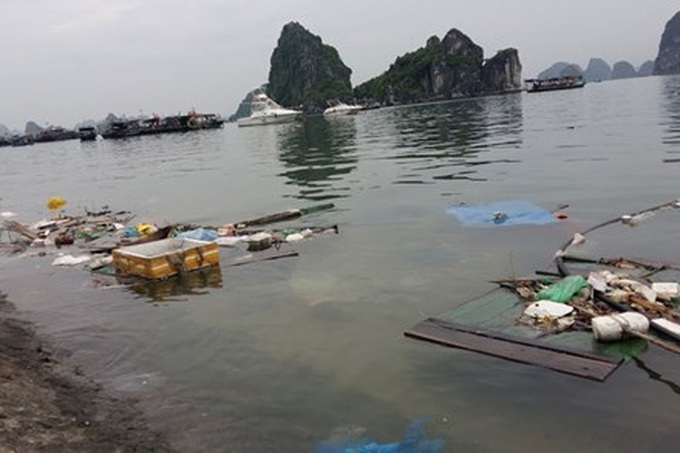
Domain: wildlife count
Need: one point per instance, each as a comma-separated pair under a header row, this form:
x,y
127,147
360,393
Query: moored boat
x,y
87,133
340,108
266,111
158,125
555,83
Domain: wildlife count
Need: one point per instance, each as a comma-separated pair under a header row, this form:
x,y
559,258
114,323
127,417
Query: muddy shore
x,y
47,405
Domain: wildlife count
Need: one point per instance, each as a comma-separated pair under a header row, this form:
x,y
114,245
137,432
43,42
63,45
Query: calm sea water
x,y
279,356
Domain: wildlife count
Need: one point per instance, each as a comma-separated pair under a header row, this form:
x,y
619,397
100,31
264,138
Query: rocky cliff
x,y
32,129
597,70
668,58
245,108
305,71
553,71
572,70
646,69
623,70
502,73
444,69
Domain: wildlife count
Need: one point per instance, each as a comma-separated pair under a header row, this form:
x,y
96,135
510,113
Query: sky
x,y
71,60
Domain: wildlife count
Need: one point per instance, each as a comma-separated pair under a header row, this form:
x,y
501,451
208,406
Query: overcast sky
x,y
64,61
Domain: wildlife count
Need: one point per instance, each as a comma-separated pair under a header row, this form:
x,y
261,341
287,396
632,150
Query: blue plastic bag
x,y
414,441
200,234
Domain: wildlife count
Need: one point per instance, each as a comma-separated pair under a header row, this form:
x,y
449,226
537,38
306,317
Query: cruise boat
x,y
266,111
340,108
555,83
87,133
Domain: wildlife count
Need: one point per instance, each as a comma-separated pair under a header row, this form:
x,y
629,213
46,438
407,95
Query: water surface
x,y
276,356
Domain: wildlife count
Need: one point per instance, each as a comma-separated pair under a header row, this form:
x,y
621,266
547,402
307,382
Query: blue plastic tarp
x,y
514,212
200,234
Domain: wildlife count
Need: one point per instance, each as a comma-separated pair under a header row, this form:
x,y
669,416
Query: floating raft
x,y
488,326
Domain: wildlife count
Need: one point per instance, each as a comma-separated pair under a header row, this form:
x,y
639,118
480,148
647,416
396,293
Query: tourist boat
x,y
87,133
340,108
555,83
266,111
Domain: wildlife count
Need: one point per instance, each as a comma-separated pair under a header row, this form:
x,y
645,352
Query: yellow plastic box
x,y
166,257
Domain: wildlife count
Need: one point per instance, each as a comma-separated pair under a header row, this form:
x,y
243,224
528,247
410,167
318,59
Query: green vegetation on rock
x,y
306,72
444,69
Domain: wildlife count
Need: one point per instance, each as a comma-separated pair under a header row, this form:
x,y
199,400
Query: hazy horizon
x,y
75,60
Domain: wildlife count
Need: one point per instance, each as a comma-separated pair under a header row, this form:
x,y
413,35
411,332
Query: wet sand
x,y
47,405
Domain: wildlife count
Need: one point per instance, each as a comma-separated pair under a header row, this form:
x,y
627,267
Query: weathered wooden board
x,y
523,350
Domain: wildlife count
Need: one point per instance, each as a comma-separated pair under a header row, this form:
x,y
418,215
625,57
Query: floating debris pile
x,y
112,244
564,319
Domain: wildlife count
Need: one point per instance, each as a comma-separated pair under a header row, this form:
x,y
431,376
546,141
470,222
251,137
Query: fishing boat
x,y
266,111
555,83
163,125
340,108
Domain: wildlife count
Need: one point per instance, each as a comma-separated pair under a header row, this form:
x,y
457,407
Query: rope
x,y
565,271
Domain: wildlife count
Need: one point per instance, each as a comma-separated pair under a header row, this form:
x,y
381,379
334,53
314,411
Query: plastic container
x,y
618,326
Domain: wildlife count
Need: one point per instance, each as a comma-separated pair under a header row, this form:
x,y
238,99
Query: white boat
x,y
266,111
340,108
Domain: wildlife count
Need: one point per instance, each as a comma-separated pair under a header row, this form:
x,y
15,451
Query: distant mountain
x,y
572,70
446,68
623,70
4,131
305,71
597,70
668,58
646,69
553,71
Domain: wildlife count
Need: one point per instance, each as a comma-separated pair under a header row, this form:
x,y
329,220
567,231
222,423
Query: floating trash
x,y
55,203
414,441
515,212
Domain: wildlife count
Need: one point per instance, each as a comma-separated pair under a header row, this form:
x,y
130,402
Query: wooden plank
x,y
564,360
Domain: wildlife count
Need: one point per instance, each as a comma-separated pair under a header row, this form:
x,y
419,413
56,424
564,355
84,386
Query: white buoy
x,y
618,326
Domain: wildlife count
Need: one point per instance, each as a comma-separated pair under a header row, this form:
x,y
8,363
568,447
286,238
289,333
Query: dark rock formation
x,y
32,129
502,73
553,71
597,70
444,69
245,108
623,70
572,70
668,58
646,69
305,71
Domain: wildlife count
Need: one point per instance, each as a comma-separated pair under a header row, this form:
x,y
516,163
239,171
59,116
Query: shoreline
x,y
48,405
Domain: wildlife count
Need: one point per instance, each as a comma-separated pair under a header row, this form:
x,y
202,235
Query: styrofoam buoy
x,y
618,326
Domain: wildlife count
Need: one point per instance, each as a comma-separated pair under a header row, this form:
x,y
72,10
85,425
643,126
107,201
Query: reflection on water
x,y
276,355
317,155
446,141
656,376
194,283
671,103
427,143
